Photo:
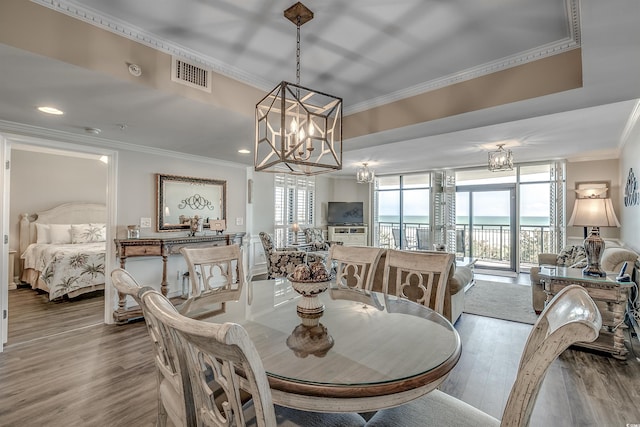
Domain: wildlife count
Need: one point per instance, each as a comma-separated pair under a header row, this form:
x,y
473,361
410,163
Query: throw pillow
x,y
60,233
43,233
572,256
88,233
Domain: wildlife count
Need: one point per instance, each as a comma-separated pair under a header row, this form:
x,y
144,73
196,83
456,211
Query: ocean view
x,y
535,221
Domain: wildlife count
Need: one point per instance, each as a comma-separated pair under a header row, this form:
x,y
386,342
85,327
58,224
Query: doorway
x,y
486,225
12,144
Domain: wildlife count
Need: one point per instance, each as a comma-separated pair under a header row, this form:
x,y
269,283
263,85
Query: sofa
x,y
459,278
573,257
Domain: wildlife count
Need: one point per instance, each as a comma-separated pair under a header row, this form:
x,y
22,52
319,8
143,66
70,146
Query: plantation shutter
x,y
294,203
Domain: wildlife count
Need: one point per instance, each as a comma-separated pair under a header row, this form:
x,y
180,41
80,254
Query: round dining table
x,y
364,352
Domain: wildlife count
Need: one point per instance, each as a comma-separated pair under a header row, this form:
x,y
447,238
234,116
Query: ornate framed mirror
x,y
180,198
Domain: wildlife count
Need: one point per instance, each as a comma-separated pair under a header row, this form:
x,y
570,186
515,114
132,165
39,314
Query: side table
x,y
609,295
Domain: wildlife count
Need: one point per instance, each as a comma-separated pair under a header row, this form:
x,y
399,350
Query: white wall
x,y
630,215
137,198
40,181
594,171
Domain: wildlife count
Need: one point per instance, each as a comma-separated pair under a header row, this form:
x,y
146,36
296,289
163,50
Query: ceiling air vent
x,y
190,74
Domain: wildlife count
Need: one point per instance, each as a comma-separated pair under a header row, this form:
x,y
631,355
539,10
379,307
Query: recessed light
x,y
51,110
244,151
93,131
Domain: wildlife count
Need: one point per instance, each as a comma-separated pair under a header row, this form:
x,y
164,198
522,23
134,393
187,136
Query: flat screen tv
x,y
345,213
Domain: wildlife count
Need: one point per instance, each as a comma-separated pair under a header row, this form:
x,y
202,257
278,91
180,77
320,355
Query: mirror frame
x,y
162,180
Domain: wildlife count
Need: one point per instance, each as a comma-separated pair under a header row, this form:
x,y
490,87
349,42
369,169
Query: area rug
x,y
501,301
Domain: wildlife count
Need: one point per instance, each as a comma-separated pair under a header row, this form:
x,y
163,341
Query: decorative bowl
x,y
310,287
309,307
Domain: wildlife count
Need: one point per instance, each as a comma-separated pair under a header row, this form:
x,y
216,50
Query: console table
x,y
609,295
161,247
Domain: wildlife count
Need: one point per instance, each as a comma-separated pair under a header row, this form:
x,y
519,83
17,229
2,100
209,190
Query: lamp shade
x,y
593,212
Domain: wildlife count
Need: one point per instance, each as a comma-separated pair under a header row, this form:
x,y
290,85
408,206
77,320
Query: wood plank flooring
x,y
32,315
103,375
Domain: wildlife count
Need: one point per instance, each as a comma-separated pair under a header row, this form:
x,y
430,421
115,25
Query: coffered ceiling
x,y
426,84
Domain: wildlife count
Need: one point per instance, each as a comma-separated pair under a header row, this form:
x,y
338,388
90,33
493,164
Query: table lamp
x,y
295,229
593,212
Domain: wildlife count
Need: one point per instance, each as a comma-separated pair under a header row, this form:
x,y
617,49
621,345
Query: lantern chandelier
x,y
298,130
364,175
501,159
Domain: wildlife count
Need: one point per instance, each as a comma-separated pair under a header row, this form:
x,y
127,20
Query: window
x,y
402,206
294,203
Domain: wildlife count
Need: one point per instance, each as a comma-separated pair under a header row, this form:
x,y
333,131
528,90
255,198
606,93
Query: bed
x,y
63,249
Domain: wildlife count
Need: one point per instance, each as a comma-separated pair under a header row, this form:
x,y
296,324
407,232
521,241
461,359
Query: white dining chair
x,y
172,402
570,317
355,268
421,277
216,276
213,355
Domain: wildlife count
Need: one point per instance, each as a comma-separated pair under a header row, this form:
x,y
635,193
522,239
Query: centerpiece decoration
x,y
310,281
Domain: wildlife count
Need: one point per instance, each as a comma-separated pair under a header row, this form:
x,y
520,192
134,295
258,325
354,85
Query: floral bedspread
x,y
66,268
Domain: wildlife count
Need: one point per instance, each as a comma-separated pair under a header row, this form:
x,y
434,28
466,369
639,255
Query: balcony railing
x,y
491,243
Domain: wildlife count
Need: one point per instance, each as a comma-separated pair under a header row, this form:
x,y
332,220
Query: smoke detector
x,y
135,70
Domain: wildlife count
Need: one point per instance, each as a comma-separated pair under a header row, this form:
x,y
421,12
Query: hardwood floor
x,y
103,375
33,316
581,388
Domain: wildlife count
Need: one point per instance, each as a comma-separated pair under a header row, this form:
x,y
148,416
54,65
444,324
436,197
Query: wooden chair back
x,y
571,317
355,266
125,283
212,353
216,275
172,381
419,276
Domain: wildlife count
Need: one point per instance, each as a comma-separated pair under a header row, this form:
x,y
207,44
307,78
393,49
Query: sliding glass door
x,y
485,227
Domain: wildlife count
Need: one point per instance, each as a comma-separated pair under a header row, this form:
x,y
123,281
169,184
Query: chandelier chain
x,y
298,51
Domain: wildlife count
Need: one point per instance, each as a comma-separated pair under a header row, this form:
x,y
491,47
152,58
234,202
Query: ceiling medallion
x,y
298,130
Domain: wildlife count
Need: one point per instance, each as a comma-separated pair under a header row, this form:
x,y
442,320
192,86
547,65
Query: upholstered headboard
x,y
67,213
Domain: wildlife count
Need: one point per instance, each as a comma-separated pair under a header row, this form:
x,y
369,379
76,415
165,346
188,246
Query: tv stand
x,y
349,235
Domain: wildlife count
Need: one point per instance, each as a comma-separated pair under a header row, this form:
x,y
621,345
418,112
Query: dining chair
x,y
570,317
213,354
355,266
216,275
418,276
171,381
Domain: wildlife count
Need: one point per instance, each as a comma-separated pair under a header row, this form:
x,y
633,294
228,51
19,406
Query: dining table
x,y
363,352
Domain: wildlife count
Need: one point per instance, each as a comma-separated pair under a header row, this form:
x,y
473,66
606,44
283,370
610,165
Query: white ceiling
x,y
369,52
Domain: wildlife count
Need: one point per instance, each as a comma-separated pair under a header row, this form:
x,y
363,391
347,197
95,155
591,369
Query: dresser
x,y
161,247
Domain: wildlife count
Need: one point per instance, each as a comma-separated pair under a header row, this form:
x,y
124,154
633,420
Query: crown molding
x,y
21,132
632,121
125,29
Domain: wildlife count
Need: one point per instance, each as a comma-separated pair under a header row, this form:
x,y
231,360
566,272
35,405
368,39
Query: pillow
x,y
43,233
572,256
60,233
88,233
